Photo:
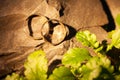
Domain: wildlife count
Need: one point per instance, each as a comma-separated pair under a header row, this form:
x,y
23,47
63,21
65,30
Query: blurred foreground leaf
x,y
14,76
36,66
74,57
97,69
61,73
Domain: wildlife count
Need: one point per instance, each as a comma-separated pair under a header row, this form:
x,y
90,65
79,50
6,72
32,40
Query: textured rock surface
x,y
83,13
27,7
15,45
15,42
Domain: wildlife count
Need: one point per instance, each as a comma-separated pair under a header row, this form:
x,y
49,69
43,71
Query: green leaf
x,y
110,34
61,73
117,77
97,69
99,61
115,40
89,74
74,57
87,39
36,66
118,19
14,76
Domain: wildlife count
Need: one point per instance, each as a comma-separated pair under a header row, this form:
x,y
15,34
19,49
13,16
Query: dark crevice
x,y
53,65
111,25
114,56
61,11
